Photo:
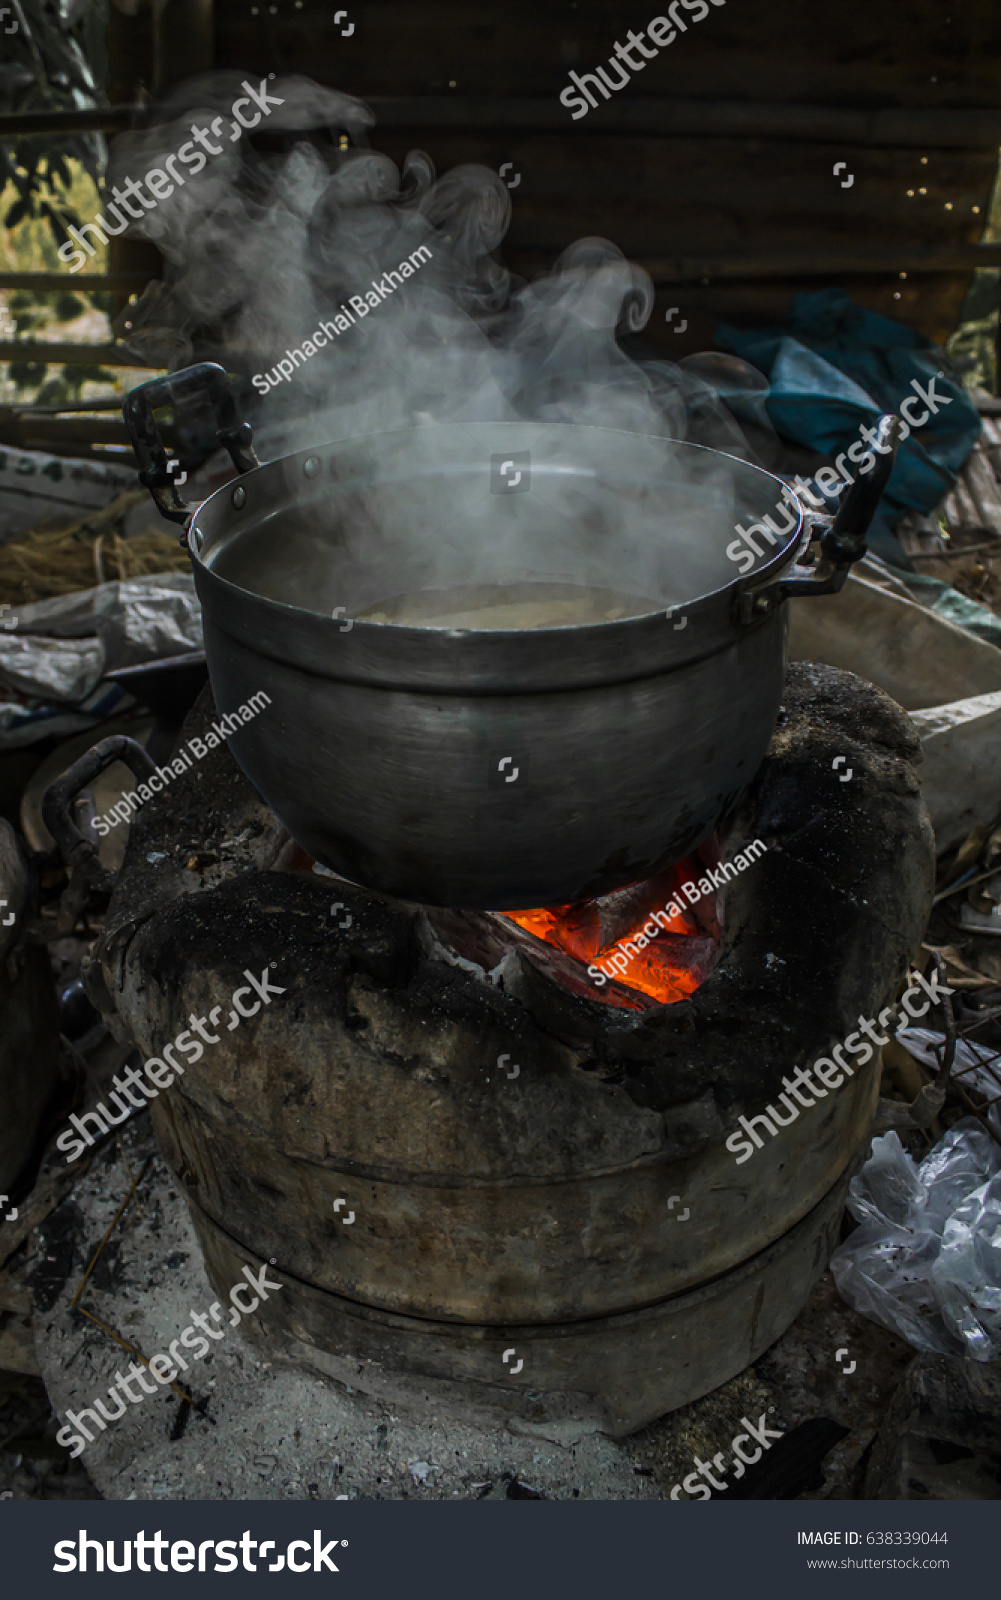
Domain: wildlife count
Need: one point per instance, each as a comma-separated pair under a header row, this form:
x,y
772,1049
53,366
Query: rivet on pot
x,y
239,497
197,538
311,466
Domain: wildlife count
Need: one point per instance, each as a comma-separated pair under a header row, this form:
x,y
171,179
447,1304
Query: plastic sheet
x,y
60,649
926,1260
36,488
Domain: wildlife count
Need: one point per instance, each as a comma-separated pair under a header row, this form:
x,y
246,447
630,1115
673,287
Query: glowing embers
x,y
642,946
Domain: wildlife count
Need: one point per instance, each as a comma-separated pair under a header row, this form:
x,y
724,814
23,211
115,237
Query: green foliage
x,y
79,374
53,64
69,307
38,196
62,387
32,242
25,374
972,345
66,386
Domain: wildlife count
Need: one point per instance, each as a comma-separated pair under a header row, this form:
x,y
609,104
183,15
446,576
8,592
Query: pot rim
x,y
706,602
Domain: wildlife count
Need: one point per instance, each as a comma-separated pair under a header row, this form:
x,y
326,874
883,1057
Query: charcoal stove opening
x,y
648,945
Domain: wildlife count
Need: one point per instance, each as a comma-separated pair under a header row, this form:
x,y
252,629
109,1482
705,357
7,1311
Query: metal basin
x,y
501,768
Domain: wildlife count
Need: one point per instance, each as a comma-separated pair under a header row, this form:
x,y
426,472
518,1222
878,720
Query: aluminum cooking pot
x,y
499,767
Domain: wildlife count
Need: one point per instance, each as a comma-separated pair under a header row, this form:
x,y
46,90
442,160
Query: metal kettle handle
x,y
58,803
844,542
841,543
206,381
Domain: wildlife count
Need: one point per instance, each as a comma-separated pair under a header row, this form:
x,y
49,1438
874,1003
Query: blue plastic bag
x,y
836,367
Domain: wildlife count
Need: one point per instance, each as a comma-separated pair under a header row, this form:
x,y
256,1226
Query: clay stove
x,y
584,1211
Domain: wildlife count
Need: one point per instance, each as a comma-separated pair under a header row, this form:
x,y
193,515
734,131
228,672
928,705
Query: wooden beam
x,y
710,119
29,409
909,127
29,432
833,261
82,452
109,119
45,282
105,355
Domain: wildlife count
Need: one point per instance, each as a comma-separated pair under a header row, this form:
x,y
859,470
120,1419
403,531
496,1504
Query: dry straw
x,y
61,560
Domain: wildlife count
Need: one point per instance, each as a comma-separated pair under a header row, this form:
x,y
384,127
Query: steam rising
x,y
264,242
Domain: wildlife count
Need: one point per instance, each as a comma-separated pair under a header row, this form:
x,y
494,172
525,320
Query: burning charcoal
x,y
667,965
623,913
591,927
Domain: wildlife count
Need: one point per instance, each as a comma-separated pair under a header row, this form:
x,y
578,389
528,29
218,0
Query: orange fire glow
x,y
668,968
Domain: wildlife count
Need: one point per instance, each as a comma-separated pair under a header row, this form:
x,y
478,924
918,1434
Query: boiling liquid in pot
x,y
509,605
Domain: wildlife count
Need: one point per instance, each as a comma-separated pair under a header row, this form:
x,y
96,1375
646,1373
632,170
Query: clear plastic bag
x,y
926,1260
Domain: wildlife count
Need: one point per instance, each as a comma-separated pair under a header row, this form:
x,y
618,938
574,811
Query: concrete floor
x,y
273,1430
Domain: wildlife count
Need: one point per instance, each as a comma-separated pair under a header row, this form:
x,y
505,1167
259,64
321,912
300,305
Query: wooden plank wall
x,y
713,165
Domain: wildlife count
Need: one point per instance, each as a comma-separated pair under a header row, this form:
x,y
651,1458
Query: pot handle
x,y
207,382
841,543
844,541
61,798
